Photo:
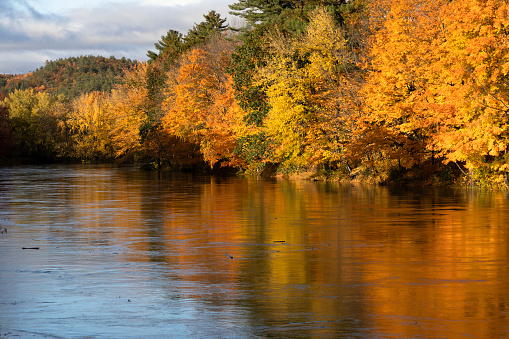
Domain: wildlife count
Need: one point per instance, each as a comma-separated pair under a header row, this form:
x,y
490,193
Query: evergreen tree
x,y
170,46
290,15
260,11
205,29
245,60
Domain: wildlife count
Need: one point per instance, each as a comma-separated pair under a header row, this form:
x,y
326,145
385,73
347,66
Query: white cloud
x,y
43,29
31,34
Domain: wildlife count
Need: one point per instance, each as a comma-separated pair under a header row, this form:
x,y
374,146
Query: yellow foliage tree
x,y
129,111
90,124
38,123
311,83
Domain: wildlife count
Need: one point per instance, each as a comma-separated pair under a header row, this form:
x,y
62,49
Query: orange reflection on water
x,y
315,259
441,273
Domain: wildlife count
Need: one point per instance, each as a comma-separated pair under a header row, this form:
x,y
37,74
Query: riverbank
x,y
425,175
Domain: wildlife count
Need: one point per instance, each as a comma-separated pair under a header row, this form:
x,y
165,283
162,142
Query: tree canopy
x,y
386,90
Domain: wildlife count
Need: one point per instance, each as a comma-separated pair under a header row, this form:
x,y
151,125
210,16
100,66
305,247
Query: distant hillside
x,y
70,77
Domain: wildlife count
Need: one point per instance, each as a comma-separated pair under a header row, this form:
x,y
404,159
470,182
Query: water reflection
x,y
129,253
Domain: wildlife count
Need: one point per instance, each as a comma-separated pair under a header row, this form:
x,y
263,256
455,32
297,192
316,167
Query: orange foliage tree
x,y
395,128
130,104
200,107
470,93
436,85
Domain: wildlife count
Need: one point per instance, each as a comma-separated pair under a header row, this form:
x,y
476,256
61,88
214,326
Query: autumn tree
x,y
128,113
309,94
470,91
171,47
395,133
437,84
201,107
90,124
36,122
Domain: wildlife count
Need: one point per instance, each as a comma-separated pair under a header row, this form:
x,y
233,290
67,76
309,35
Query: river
x,y
106,252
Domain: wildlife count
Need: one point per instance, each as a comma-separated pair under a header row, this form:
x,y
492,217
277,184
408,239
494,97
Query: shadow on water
x,y
127,253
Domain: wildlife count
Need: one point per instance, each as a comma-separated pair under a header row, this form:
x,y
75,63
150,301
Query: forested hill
x,y
71,76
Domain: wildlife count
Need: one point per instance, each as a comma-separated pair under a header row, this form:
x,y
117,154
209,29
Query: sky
x,y
34,31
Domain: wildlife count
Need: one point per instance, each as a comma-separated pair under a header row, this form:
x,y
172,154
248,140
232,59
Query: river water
x,y
106,252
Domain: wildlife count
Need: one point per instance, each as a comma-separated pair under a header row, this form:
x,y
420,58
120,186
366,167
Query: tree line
x,y
385,91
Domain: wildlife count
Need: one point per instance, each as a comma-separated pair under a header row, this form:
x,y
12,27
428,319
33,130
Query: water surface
x,y
127,253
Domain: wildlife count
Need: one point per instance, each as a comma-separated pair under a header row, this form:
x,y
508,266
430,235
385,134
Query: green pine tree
x,y
260,11
170,46
201,32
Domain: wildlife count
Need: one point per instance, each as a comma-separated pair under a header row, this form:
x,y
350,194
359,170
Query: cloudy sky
x,y
33,31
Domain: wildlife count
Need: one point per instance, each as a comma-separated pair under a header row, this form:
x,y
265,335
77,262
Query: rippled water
x,y
124,253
